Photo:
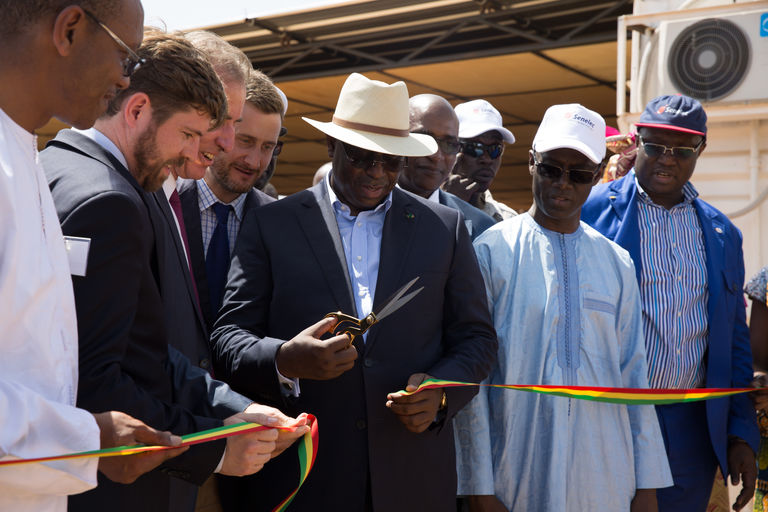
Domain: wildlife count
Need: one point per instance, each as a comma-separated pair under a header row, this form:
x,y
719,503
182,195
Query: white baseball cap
x,y
572,126
477,117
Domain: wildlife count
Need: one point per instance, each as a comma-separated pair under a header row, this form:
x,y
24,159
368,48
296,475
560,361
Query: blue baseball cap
x,y
675,112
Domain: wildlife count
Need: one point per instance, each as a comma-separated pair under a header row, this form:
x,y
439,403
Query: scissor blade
x,y
397,300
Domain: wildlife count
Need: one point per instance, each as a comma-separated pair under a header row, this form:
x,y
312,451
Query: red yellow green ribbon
x,y
629,396
307,448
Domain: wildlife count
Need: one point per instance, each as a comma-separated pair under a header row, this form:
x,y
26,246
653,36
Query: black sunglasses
x,y
364,159
446,145
554,173
476,149
656,150
130,63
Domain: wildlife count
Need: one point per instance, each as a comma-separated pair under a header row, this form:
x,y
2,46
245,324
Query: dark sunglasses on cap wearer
x,y
656,150
476,149
130,63
364,159
446,145
554,173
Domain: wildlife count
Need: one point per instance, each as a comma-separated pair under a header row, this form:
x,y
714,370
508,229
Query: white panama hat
x,y
373,115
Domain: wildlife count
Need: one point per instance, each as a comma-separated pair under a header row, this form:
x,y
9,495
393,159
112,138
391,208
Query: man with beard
x,y
347,244
185,312
690,268
87,50
215,205
100,179
482,136
433,115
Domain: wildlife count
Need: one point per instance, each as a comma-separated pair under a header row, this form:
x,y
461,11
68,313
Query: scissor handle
x,y
346,324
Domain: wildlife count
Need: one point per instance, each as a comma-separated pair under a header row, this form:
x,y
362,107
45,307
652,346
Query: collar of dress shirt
x,y
105,142
339,206
689,191
206,197
169,185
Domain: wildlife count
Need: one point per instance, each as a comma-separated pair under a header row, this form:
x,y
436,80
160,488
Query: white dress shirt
x,y
38,367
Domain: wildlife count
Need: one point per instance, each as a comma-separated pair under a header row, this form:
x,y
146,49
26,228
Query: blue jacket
x,y
612,210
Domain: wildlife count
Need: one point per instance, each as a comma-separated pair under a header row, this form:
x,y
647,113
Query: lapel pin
x,y
611,197
409,216
719,230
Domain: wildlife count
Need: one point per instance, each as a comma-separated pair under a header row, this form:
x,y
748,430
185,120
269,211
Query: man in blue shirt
x,y
346,245
690,269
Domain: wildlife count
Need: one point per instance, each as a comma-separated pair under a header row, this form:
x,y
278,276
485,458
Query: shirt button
x,y
679,314
359,224
359,258
361,293
679,278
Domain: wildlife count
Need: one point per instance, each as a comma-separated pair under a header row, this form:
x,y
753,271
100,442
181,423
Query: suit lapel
x,y
623,198
396,241
318,222
713,231
162,203
190,210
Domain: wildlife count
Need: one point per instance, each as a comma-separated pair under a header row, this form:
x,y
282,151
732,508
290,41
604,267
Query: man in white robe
x,y
56,60
566,308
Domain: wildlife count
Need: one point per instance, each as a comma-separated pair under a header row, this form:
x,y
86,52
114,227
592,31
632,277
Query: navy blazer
x,y
612,210
191,210
475,219
288,271
125,361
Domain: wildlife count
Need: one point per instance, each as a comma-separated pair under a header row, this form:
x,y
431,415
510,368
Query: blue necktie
x,y
217,259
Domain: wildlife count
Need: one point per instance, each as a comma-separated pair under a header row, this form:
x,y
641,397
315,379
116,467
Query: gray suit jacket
x,y
288,271
191,210
476,220
125,361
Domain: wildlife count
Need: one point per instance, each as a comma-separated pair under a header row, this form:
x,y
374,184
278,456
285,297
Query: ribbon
x,y
307,449
628,396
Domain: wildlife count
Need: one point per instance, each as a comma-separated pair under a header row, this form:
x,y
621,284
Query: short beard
x,y
148,172
219,169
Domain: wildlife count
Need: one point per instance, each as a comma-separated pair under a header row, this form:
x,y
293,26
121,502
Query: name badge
x,y
77,254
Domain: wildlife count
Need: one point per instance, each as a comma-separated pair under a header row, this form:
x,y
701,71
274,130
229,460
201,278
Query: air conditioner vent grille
x,y
709,59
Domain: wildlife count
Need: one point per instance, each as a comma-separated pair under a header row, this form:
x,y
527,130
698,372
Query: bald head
x,y
430,105
432,115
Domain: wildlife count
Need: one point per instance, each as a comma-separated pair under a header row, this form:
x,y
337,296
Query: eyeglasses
x,y
476,149
364,159
656,150
554,173
130,63
446,145
278,148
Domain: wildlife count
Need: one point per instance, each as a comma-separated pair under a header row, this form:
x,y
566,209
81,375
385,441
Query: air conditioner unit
x,y
721,59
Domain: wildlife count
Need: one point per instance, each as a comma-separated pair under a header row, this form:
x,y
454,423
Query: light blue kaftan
x,y
566,308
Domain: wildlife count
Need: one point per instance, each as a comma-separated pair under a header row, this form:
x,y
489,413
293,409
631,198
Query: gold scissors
x,y
354,327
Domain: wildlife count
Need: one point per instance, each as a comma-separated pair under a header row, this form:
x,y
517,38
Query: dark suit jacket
x,y
289,270
612,210
191,211
187,329
125,362
476,220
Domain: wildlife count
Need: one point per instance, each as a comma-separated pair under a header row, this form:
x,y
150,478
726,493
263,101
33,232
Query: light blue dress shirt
x,y
361,238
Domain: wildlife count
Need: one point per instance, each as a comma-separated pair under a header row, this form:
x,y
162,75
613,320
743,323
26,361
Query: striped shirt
x,y
673,290
205,200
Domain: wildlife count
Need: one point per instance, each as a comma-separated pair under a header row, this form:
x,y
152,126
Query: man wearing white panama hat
x,y
345,245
